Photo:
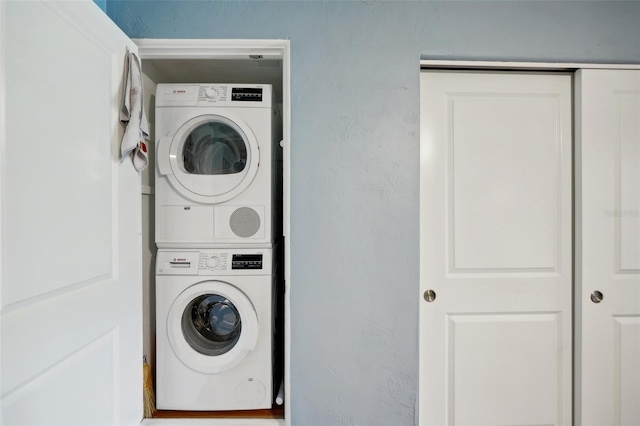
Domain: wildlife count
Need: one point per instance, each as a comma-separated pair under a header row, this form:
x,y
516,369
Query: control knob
x,y
212,262
211,92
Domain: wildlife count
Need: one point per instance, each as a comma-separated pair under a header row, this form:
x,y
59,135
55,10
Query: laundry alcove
x,y
210,61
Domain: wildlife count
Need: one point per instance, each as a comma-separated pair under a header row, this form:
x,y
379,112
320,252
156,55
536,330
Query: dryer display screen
x,y
250,94
246,261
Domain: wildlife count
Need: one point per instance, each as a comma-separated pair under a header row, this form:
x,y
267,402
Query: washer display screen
x,y
246,261
211,324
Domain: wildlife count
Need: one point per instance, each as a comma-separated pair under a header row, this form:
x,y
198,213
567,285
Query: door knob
x,y
597,296
429,295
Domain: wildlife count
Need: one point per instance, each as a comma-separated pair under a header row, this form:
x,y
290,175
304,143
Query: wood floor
x,y
274,413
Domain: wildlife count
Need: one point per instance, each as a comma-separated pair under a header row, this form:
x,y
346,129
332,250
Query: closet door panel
x,y
495,249
608,223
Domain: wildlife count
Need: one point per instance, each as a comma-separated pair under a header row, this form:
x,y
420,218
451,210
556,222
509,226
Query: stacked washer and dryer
x,y
218,215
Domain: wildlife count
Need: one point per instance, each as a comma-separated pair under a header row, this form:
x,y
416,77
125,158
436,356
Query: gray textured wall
x,y
355,148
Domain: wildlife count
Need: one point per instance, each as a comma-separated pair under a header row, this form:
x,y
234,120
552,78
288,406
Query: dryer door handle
x,y
164,166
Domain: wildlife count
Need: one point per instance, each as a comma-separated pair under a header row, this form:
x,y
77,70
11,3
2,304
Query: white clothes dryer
x,y
217,166
214,329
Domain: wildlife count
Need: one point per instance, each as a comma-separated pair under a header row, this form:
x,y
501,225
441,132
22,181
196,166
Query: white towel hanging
x,y
133,116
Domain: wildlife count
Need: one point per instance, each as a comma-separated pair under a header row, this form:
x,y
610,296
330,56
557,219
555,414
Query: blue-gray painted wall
x,y
355,163
102,4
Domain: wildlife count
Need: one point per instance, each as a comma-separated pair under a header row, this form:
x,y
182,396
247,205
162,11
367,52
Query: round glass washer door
x,y
212,326
213,158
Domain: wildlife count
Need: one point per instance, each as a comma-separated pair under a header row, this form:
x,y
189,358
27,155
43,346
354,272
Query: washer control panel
x,y
247,261
214,262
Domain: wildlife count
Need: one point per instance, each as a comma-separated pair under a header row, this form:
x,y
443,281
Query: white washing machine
x,y
214,329
217,157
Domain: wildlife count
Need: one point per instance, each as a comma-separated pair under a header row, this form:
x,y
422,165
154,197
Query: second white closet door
x,y
608,204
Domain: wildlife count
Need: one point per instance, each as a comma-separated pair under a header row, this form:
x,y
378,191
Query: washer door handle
x,y
164,167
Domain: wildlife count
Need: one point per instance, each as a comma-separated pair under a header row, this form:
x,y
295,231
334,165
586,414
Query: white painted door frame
x,y
521,66
241,49
536,66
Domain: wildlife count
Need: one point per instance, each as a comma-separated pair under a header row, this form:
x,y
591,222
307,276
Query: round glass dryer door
x,y
213,158
212,326
214,148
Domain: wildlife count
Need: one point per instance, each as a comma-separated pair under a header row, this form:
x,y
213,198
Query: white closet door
x,y
495,249
608,204
71,233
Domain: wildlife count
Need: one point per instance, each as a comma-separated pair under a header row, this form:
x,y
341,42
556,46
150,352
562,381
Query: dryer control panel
x,y
214,94
214,262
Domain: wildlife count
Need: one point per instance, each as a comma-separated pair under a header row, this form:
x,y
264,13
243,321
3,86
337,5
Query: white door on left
x,y
71,305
